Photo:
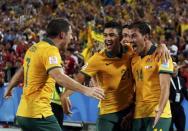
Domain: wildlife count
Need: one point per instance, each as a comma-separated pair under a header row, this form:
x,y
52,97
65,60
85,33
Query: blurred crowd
x,y
22,23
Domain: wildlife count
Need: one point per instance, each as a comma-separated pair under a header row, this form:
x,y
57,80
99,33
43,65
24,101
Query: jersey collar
x,y
48,40
151,50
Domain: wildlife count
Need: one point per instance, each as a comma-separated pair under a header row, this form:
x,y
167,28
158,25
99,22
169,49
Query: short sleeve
x,y
52,59
166,67
91,67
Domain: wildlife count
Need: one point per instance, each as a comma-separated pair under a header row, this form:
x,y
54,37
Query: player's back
x,y
35,74
38,86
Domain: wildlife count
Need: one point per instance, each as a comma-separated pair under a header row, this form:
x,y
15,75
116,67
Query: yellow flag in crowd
x,y
91,37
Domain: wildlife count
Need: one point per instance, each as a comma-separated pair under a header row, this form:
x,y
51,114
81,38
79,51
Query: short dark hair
x,y
115,25
128,26
143,27
57,26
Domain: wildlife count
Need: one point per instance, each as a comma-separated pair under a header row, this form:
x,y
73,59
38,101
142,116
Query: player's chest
x,y
115,68
143,68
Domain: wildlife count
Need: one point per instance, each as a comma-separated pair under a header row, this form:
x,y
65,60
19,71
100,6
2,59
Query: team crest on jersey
x,y
53,60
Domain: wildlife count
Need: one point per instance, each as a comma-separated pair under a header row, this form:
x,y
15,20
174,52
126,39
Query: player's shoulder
x,y
99,54
43,45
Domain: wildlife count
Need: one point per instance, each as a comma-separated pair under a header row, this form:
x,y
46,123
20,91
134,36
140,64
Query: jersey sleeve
x,y
166,67
52,59
91,67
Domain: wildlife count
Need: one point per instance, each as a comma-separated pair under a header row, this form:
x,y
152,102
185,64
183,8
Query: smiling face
x,y
111,37
126,36
138,41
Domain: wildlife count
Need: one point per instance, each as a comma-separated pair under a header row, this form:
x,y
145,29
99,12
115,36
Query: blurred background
x,y
23,22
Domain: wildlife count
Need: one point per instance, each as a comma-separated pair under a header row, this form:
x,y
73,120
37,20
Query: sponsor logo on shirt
x,y
148,67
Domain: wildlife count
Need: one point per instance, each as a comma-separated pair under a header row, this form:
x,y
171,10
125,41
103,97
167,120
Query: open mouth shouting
x,y
134,46
109,45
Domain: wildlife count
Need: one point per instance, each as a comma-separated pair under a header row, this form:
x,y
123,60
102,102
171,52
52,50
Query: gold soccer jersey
x,y
146,74
114,76
38,86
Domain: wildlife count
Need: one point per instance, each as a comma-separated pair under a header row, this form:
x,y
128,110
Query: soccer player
x,y
152,79
112,69
41,69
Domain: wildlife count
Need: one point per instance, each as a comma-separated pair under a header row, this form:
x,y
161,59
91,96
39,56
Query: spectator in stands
x,y
69,63
178,91
2,76
184,67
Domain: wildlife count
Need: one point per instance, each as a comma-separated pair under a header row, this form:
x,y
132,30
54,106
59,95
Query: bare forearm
x,y
164,96
165,90
58,75
67,93
66,81
15,79
70,84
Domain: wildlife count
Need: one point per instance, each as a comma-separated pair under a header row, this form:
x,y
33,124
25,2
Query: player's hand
x,y
94,92
7,94
126,122
162,53
66,105
157,116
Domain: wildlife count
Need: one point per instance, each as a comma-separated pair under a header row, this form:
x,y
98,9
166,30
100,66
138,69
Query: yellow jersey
x,y
114,76
146,74
38,85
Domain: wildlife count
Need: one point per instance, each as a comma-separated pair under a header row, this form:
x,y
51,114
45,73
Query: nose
x,y
71,37
107,37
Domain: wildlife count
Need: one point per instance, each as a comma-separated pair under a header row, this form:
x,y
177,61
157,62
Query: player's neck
x,y
147,48
116,52
57,43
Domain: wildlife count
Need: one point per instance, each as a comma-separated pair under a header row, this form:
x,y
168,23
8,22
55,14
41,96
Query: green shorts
x,y
111,121
38,124
145,124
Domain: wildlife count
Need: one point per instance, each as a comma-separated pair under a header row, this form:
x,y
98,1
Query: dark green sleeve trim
x,y
87,77
165,72
53,68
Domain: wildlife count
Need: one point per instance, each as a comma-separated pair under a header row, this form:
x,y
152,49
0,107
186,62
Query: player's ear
x,y
146,37
62,35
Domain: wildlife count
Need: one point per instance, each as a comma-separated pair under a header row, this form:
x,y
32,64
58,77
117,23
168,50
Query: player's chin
x,y
108,49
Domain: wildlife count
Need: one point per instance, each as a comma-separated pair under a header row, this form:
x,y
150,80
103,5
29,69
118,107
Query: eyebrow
x,y
110,33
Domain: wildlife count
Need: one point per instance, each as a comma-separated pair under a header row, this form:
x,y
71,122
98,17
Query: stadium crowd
x,y
23,22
